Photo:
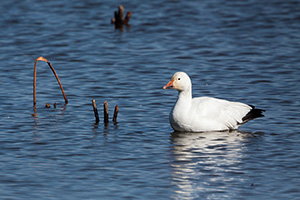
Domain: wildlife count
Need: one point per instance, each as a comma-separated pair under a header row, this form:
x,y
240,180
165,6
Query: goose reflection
x,y
205,165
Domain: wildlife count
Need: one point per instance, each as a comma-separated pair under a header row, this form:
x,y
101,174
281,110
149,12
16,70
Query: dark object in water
x,y
116,113
95,111
105,112
118,20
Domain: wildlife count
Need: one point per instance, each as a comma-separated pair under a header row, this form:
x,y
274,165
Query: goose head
x,y
180,81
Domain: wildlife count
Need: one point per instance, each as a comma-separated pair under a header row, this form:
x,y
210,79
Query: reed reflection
x,y
35,115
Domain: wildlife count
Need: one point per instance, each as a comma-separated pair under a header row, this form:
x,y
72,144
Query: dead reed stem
x,y
95,111
34,79
118,19
116,113
105,106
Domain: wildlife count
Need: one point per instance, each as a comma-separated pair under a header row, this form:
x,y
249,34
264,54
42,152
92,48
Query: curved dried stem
x,y
34,79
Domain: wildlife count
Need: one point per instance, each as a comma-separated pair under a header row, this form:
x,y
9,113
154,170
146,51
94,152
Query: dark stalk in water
x,y
105,106
116,113
95,111
118,19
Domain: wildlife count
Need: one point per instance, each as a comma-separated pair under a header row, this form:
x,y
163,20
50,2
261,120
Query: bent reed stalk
x,y
54,72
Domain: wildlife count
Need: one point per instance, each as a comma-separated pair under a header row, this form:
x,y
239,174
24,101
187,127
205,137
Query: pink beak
x,y
169,85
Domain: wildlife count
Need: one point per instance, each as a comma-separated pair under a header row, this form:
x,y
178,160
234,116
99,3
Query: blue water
x,y
244,51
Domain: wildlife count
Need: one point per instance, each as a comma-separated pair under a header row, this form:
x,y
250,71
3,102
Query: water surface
x,y
244,51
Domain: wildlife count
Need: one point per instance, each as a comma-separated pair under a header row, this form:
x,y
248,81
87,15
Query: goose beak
x,y
169,85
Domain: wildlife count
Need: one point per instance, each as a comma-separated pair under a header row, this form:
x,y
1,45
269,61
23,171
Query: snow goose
x,y
205,113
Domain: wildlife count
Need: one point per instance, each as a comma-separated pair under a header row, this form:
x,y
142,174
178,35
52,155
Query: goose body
x,y
205,113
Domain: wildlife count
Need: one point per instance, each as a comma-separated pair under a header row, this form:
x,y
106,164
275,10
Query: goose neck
x,y
185,95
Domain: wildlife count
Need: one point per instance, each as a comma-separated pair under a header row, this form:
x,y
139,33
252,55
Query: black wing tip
x,y
253,113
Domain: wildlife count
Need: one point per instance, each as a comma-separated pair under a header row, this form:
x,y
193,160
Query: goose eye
x,y
179,79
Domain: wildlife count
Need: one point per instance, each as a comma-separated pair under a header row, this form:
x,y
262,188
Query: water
x,y
244,51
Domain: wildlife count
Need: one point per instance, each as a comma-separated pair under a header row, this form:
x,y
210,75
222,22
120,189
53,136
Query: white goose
x,y
205,113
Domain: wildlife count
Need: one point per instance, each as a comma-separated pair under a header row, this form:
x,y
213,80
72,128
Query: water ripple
x,y
238,50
